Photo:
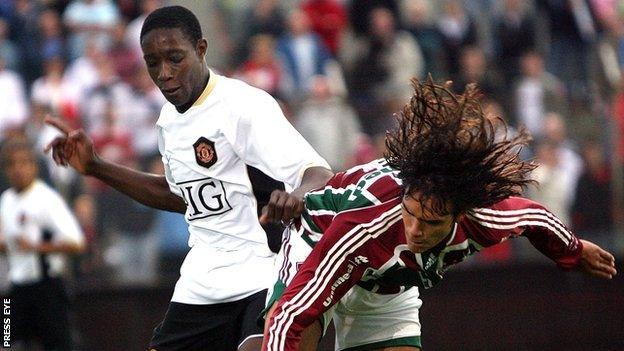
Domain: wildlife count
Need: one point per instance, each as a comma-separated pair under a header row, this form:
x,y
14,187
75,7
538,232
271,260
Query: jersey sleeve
x,y
334,266
266,140
517,216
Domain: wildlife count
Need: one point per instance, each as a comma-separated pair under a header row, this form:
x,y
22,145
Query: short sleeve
x,y
266,140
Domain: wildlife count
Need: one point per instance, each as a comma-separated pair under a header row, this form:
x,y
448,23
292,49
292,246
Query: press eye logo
x,y
6,322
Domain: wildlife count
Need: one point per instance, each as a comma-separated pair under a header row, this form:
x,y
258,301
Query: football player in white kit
x,y
212,127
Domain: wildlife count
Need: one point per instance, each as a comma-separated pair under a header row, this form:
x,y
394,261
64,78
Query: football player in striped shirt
x,y
377,233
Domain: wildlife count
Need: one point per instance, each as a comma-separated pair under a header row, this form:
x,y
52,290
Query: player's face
x,y
175,65
21,169
424,228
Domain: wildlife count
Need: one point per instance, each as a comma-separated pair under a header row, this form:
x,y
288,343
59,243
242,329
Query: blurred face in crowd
x,y
298,23
20,167
176,65
382,23
262,49
532,65
424,229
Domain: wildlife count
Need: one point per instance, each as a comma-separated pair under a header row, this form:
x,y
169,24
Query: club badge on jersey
x,y
205,153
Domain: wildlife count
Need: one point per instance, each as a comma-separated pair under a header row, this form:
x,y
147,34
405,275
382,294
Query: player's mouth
x,y
170,91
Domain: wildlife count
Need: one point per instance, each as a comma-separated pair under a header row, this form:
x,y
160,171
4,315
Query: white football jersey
x,y
205,151
29,214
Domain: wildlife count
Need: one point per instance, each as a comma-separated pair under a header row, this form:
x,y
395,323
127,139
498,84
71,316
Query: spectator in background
x,y
329,124
379,69
82,73
573,29
570,163
262,69
264,17
474,69
9,52
123,57
303,56
535,93
593,203
141,109
133,30
418,20
328,19
24,30
14,107
38,232
551,191
458,31
513,34
54,92
360,10
52,40
108,89
89,20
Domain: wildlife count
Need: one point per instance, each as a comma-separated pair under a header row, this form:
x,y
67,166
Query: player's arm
x,y
65,247
519,216
75,148
266,140
324,277
285,206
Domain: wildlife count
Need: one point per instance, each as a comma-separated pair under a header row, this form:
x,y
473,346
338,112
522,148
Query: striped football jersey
x,y
354,224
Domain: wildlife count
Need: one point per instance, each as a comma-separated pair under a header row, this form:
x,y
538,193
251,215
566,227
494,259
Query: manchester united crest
x,y
205,152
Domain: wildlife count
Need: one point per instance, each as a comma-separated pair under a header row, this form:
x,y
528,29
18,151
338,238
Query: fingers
x,y
607,256
281,207
58,150
58,124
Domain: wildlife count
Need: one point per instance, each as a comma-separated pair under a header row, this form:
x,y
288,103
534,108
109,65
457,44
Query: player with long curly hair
x,y
379,232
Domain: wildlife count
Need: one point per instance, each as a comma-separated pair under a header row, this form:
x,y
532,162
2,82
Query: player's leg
x,y
310,336
53,315
367,321
250,336
198,327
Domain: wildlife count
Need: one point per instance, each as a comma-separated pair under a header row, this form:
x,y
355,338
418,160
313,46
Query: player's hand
x,y
596,261
282,207
72,148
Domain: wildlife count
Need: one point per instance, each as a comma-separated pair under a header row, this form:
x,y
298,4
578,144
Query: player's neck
x,y
196,92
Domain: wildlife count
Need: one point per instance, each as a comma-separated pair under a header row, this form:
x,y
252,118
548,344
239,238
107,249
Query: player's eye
x,y
176,58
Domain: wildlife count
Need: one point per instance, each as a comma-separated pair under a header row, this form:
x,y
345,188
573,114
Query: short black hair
x,y
173,17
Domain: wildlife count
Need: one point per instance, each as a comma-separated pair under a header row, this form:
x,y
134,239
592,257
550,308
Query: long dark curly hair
x,y
446,150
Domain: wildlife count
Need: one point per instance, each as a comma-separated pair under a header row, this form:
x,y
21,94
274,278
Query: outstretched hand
x,y
282,207
596,261
73,147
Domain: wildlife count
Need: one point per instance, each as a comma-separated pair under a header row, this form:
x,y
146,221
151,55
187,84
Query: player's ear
x,y
201,47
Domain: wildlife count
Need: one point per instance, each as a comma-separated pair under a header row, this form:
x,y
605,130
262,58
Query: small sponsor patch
x,y
205,152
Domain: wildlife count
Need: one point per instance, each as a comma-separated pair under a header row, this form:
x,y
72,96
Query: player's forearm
x,y
149,189
65,247
313,178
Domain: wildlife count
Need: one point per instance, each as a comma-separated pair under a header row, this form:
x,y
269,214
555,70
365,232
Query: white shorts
x,y
362,319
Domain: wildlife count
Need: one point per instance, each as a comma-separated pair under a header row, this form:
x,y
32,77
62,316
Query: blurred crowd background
x,y
341,70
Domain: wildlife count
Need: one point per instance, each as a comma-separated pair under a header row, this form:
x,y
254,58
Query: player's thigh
x,y
310,336
370,321
250,336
